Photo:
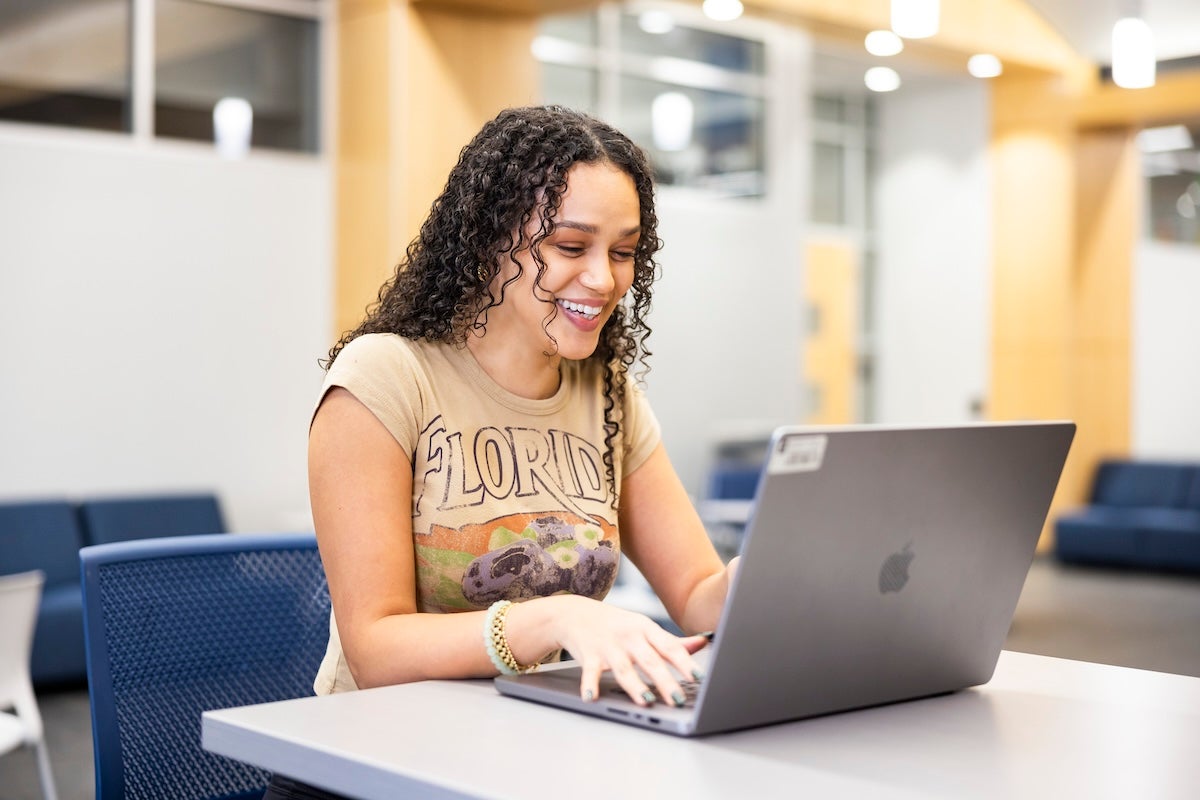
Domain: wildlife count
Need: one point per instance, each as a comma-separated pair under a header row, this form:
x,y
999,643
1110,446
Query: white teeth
x,y
580,308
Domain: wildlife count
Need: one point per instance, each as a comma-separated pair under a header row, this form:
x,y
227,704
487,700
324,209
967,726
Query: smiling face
x,y
589,268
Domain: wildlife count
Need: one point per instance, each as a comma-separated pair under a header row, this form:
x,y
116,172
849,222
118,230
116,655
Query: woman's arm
x,y
663,535
360,481
360,484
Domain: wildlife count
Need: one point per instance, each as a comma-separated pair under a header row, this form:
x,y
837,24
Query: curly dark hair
x,y
515,168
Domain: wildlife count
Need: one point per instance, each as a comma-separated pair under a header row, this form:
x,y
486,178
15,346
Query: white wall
x,y
934,265
726,326
162,312
727,316
1166,351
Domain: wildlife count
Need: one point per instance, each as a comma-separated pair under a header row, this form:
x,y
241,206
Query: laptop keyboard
x,y
691,689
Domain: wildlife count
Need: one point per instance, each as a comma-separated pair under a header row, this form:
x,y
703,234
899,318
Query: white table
x,y
1043,727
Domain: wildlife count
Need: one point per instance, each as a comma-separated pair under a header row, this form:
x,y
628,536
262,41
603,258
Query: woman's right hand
x,y
604,637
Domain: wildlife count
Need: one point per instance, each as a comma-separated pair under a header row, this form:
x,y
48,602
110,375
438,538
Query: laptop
x,y
879,564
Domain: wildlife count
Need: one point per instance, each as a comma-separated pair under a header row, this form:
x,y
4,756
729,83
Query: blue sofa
x,y
47,534
1141,514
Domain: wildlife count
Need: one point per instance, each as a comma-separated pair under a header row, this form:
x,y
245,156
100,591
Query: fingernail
x,y
648,696
588,695
708,635
698,674
678,697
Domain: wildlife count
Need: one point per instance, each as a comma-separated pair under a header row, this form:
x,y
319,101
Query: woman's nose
x,y
598,275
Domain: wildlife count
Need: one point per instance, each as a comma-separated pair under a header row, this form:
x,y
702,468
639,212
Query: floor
x,y
1107,616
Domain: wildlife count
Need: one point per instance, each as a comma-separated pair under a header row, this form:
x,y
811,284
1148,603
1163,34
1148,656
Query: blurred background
x,y
1022,246
198,196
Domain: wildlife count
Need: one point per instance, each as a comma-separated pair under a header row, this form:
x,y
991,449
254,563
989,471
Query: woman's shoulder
x,y
376,345
374,350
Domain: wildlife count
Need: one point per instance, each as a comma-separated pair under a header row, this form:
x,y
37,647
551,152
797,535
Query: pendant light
x,y
915,19
1133,62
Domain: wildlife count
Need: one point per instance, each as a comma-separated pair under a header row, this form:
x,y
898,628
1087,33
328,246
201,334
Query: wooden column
x,y
1107,202
1033,242
416,80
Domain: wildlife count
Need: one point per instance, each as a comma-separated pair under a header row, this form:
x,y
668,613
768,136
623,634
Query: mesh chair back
x,y
181,625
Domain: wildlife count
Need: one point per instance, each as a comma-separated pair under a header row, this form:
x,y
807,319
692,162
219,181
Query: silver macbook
x,y
879,564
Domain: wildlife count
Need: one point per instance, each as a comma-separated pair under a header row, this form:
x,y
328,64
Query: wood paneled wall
x,y
1033,241
416,80
1066,210
831,290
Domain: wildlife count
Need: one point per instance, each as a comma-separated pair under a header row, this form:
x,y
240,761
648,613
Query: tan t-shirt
x,y
510,495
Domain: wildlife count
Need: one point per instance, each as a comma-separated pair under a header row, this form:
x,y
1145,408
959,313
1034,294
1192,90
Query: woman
x,y
478,440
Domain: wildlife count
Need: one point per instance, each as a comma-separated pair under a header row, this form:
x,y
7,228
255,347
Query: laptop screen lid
x,y
879,564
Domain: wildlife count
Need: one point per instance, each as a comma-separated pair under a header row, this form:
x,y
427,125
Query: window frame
x,y
140,133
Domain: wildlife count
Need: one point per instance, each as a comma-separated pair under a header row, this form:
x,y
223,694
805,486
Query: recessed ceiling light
x,y
723,10
984,65
883,43
882,79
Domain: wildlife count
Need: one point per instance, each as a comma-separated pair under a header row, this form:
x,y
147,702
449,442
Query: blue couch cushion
x,y
1098,536
58,646
41,535
124,518
733,481
1192,500
1170,539
1140,484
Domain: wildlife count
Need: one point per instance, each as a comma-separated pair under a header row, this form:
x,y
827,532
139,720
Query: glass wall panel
x,y
829,184
206,52
65,62
574,28
696,137
573,87
1173,189
719,50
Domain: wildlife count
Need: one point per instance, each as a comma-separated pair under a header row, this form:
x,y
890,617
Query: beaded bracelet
x,y
497,643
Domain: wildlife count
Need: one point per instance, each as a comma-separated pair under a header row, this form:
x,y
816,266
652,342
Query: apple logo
x,y
894,572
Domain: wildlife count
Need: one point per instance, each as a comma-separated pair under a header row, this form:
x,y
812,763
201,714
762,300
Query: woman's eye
x,y
622,255
571,250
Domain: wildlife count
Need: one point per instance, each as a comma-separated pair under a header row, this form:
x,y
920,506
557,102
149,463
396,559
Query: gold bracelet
x,y
497,643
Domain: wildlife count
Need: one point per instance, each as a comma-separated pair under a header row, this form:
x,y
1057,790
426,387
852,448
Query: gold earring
x,y
482,272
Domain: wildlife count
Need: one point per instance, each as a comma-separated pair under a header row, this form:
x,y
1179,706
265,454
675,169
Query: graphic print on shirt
x,y
561,539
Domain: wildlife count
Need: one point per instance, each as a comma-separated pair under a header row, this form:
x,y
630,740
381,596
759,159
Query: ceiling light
x,y
723,10
1186,206
1133,54
883,43
984,65
1164,139
657,22
671,119
233,122
915,19
882,79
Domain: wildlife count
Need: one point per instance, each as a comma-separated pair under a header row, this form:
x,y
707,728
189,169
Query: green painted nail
x,y
588,695
678,697
698,674
648,696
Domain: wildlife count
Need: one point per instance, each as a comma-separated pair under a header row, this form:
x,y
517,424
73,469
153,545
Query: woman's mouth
x,y
579,309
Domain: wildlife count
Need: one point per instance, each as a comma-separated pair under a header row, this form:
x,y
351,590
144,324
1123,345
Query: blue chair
x,y
45,535
119,519
181,625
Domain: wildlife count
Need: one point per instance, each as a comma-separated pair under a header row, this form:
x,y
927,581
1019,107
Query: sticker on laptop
x,y
802,452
